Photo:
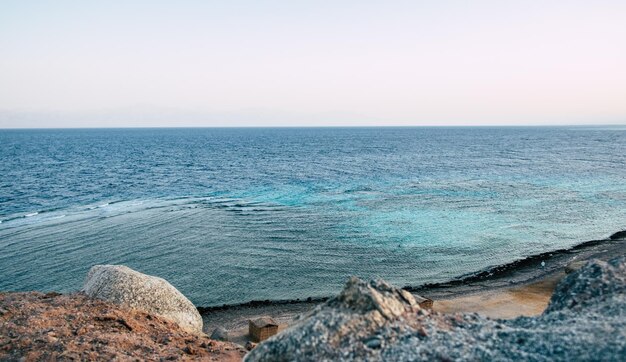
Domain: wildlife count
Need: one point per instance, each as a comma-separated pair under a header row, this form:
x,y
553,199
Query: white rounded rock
x,y
122,285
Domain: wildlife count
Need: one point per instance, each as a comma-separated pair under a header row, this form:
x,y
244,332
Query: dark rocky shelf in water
x,y
526,270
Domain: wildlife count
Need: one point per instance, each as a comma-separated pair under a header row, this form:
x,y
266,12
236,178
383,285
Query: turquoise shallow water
x,y
232,215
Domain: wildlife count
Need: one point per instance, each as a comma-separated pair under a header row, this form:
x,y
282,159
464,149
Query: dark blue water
x,y
232,215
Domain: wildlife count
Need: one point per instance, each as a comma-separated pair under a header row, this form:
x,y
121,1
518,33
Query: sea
x,y
231,215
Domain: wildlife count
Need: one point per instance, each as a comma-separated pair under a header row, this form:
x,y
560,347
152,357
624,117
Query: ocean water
x,y
233,215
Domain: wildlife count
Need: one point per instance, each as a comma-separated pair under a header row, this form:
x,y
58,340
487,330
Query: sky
x,y
311,63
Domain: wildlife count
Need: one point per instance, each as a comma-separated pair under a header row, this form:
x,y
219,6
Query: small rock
x,y
373,343
220,334
189,350
574,265
250,345
422,332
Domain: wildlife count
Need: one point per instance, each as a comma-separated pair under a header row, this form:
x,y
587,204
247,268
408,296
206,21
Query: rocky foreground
x,y
373,321
585,320
53,327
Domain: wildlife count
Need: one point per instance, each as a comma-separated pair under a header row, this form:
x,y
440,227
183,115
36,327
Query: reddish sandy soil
x,y
53,327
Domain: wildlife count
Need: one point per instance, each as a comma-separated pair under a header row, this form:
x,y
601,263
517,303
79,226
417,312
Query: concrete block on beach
x,y
262,328
124,286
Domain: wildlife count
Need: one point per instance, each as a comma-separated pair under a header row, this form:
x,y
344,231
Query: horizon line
x,y
329,126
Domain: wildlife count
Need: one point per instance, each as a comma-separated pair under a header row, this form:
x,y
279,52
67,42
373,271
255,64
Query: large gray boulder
x,y
341,327
373,321
121,285
593,283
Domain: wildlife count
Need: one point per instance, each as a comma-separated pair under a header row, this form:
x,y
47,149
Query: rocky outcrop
x,y
346,326
54,327
121,285
594,283
586,320
376,296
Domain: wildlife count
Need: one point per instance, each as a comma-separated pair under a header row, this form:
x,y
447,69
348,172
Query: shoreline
x,y
515,270
523,287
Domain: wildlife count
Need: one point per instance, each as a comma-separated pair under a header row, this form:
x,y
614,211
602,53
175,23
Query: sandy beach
x,y
526,300
521,300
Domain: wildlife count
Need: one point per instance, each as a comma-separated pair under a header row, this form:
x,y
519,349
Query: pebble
x,y
373,343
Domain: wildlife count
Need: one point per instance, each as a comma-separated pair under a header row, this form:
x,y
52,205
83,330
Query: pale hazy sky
x,y
235,63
